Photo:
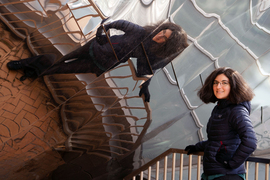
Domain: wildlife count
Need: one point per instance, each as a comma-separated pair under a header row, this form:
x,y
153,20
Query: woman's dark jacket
x,y
229,130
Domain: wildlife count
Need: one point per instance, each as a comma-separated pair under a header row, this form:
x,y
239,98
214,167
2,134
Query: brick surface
x,y
4,139
2,119
31,117
35,93
19,107
4,91
29,127
27,99
2,112
8,115
9,107
12,126
4,131
54,125
44,126
12,90
30,109
15,100
38,101
25,92
24,139
38,132
3,99
24,123
41,111
20,117
9,76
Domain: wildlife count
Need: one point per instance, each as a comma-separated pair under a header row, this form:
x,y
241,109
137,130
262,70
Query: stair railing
x,y
155,166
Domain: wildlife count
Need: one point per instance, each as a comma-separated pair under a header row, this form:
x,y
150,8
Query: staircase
x,y
182,166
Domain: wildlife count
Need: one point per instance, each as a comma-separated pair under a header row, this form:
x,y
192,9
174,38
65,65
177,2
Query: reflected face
x,y
162,36
221,87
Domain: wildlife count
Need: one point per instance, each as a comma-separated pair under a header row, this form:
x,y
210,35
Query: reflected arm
x,y
122,25
125,26
145,91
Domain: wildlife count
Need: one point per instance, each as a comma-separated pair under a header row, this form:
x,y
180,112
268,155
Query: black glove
x,y
101,39
191,149
223,157
144,90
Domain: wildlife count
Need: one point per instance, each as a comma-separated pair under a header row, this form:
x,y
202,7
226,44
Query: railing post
x,y
165,168
256,171
247,164
149,172
189,167
198,167
181,166
157,171
266,171
173,166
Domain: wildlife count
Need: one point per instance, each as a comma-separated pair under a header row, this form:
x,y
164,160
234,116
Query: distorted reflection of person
x,y
153,46
231,137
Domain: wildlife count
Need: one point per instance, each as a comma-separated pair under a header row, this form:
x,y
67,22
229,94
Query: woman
x,y
231,138
153,46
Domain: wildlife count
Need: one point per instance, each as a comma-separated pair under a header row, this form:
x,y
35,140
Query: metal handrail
x,y
173,151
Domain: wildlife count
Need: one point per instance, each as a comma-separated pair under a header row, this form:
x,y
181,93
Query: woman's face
x,y
221,87
162,36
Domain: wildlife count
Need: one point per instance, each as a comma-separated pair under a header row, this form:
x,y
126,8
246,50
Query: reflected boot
x,y
17,65
28,73
32,66
14,65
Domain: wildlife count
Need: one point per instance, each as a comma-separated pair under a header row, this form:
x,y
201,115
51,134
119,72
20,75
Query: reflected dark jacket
x,y
125,46
229,128
97,56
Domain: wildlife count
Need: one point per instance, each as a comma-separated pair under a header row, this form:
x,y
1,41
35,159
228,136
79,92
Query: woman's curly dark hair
x,y
239,92
175,44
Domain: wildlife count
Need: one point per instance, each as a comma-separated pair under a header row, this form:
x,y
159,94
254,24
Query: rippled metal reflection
x,y
105,122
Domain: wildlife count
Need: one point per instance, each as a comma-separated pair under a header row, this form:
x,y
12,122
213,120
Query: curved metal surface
x,y
103,117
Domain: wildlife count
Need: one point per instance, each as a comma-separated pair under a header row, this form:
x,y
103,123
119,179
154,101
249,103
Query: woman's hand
x,y
223,157
101,39
191,149
145,91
